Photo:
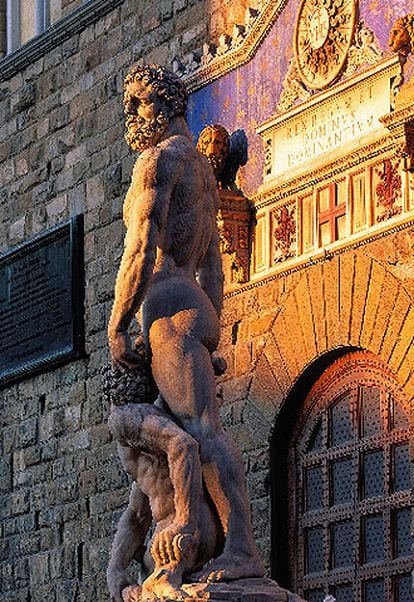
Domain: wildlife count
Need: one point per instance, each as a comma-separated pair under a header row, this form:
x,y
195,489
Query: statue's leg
x,y
183,371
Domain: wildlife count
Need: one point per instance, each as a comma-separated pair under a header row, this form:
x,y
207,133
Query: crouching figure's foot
x,y
132,593
230,566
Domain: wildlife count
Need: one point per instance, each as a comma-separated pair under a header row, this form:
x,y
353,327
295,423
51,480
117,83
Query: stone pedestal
x,y
242,590
233,221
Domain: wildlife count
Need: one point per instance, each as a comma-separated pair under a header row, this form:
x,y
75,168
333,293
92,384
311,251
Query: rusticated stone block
x,y
28,432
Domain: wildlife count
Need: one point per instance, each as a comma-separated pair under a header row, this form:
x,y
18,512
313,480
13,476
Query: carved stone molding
x,y
293,88
66,27
321,257
401,125
324,172
285,232
236,50
323,35
365,51
328,123
388,190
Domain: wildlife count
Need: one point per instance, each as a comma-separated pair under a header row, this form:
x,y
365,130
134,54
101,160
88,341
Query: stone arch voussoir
x,y
350,301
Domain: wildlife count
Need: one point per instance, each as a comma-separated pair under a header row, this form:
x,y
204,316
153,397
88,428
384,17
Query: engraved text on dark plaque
x,y
41,299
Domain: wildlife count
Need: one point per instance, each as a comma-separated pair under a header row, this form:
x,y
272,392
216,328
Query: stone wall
x,y
62,153
224,16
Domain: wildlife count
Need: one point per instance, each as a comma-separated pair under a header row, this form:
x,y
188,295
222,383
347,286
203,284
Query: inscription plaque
x,y
41,302
333,121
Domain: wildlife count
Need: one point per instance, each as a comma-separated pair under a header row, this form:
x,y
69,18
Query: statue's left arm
x,y
178,541
153,181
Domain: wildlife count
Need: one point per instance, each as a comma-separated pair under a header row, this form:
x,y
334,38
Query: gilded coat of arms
x,y
323,36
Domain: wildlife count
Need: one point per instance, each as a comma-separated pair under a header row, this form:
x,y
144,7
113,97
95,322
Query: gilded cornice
x,y
372,73
221,64
323,255
396,118
400,123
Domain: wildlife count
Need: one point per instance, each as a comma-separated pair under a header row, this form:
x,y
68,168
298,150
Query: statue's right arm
x,y
152,184
129,541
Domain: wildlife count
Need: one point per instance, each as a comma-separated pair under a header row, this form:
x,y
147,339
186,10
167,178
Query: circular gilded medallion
x,y
323,35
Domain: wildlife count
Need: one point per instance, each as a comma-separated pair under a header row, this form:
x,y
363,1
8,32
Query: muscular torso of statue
x,y
186,229
151,476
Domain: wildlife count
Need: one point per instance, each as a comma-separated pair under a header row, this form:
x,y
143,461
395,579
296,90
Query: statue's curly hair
x,y
122,387
408,22
167,85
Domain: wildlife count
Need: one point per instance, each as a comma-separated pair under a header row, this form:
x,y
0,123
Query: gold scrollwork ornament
x,y
323,35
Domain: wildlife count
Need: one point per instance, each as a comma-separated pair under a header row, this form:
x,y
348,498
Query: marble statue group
x,y
188,513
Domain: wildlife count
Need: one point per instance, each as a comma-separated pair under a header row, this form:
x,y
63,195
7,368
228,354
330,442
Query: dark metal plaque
x,y
41,302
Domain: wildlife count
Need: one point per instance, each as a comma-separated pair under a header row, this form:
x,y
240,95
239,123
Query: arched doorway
x,y
347,482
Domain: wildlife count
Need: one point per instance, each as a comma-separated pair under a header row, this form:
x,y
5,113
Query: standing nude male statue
x,y
171,269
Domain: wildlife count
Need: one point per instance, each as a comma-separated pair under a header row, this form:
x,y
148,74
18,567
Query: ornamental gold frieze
x,y
401,126
284,228
329,123
341,210
396,118
322,255
234,223
328,171
364,53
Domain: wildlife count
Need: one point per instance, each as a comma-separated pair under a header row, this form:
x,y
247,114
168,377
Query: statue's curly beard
x,y
144,133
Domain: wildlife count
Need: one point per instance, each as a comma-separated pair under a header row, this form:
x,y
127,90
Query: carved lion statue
x,y
226,153
401,38
213,143
401,41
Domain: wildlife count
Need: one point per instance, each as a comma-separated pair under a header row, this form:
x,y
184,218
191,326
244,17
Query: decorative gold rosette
x,y
323,35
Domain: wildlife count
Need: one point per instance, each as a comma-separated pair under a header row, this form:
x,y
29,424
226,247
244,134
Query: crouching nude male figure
x,y
164,464
171,266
